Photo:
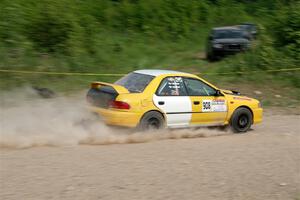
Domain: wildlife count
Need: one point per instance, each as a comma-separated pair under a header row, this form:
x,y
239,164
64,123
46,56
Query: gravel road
x,y
261,164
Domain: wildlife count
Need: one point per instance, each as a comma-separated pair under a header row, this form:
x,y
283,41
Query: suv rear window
x,y
135,82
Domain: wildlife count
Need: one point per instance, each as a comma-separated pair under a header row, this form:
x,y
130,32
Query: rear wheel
x,y
241,120
152,120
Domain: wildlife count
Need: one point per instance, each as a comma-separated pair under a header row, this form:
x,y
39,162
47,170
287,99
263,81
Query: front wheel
x,y
152,120
241,120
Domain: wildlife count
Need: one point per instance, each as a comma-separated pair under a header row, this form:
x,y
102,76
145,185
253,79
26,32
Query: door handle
x,y
196,102
161,103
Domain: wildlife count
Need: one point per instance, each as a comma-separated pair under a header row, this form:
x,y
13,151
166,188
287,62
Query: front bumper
x,y
116,117
257,115
224,52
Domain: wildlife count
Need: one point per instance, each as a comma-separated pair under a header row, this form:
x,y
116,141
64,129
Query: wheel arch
x,y
139,125
153,110
243,106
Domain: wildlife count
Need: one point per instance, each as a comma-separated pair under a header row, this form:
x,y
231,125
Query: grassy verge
x,y
122,36
124,54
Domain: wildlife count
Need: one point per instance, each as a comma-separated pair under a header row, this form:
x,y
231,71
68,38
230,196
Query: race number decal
x,y
206,106
218,105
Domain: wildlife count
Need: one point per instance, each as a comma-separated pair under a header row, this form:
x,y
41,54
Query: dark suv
x,y
226,40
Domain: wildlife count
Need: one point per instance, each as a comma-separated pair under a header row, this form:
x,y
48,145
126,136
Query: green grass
x,y
116,54
122,36
123,54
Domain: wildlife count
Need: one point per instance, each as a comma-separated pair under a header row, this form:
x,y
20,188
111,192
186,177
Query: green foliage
x,y
286,30
122,35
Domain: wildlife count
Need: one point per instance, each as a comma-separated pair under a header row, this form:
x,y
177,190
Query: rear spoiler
x,y
120,89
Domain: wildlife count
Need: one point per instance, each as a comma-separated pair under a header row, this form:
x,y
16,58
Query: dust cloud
x,y
26,120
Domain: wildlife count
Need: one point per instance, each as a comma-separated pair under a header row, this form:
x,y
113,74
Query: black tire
x,y
241,120
152,120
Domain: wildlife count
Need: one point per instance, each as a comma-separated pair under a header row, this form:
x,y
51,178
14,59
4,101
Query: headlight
x,y
218,46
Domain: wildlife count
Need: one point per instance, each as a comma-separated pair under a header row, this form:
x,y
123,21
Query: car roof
x,y
158,72
226,28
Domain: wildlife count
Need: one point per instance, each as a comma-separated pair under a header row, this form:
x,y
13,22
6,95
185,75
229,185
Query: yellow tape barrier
x,y
99,74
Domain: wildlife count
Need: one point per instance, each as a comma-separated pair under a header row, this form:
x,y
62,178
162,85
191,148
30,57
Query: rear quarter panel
x,y
141,103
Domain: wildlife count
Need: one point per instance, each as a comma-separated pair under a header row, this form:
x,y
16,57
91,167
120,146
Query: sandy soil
x,y
262,164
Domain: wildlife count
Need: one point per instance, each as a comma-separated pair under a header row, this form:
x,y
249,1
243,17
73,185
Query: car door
x,y
207,107
171,98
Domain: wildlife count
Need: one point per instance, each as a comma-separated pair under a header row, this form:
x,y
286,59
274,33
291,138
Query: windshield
x,y
221,34
135,82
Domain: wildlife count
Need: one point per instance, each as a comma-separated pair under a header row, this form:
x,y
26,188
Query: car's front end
x,y
236,100
222,47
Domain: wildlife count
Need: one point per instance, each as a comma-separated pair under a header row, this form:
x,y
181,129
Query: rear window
x,y
135,82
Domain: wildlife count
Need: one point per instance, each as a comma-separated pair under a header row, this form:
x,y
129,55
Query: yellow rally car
x,y
163,98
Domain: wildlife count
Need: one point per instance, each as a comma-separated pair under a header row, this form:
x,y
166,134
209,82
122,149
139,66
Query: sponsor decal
x,y
173,87
174,82
242,98
218,105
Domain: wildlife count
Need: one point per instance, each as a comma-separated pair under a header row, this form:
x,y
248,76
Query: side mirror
x,y
218,93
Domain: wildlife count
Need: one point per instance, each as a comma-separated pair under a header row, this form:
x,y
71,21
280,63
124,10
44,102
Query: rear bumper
x,y
116,117
257,115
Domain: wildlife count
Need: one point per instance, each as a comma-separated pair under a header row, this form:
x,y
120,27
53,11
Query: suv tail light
x,y
119,105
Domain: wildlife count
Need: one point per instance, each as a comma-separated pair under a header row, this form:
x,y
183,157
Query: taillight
x,y
119,105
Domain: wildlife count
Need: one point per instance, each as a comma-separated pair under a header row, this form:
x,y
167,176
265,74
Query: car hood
x,y
238,96
232,92
232,40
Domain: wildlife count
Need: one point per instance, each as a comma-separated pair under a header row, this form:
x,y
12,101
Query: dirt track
x,y
262,164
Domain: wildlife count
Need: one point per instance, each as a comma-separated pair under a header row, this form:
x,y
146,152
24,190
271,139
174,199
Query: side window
x,y
198,88
172,86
